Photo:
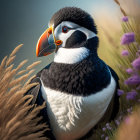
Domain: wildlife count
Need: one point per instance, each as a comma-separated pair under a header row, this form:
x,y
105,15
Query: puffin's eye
x,y
65,29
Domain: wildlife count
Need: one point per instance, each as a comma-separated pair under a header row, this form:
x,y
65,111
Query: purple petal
x,y
103,128
107,124
125,53
125,19
131,95
102,136
109,128
120,92
129,71
127,38
133,80
106,138
136,63
138,88
129,110
127,120
117,122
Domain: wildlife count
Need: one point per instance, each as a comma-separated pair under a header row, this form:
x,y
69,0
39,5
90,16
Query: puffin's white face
x,y
71,39
71,55
65,29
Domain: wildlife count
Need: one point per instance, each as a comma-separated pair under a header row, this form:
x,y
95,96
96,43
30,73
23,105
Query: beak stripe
x,y
49,33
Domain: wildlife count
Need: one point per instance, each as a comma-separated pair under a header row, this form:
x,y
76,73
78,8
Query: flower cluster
x,y
105,131
125,19
125,53
136,63
131,95
133,81
129,79
127,38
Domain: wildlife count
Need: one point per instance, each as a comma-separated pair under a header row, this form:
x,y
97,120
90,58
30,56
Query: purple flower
x,y
131,95
106,138
125,19
127,120
129,71
133,80
127,38
138,88
103,128
136,63
108,126
117,122
125,53
138,53
120,118
120,92
129,110
102,136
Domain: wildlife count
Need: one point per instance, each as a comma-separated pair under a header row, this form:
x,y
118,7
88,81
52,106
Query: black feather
x,y
116,103
87,77
76,40
75,15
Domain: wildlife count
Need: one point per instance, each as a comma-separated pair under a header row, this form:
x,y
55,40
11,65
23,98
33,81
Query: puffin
x,y
79,88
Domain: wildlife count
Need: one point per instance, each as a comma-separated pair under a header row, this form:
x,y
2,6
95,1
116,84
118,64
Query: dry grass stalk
x,y
33,65
20,79
21,65
9,68
17,121
14,89
2,66
10,60
21,72
29,80
122,10
3,62
16,50
117,2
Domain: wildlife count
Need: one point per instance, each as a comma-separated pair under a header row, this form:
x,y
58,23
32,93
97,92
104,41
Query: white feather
x,y
71,56
64,36
73,116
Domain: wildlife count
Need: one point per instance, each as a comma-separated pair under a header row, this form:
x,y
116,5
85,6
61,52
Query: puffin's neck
x,y
77,54
92,45
86,76
71,55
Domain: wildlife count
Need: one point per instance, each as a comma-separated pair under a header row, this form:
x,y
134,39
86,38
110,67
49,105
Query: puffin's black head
x,y
70,27
75,15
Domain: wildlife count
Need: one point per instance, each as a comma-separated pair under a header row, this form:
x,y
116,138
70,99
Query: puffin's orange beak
x,y
46,43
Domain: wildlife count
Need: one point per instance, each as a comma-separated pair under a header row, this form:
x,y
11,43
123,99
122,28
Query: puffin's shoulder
x,y
35,90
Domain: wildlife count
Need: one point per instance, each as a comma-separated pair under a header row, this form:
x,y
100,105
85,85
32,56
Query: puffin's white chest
x,y
71,116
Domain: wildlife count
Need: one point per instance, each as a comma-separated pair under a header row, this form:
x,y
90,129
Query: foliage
x,y
18,119
125,52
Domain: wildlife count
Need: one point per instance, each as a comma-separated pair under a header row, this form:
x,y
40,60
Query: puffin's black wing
x,y
35,91
116,97
115,76
38,99
113,107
